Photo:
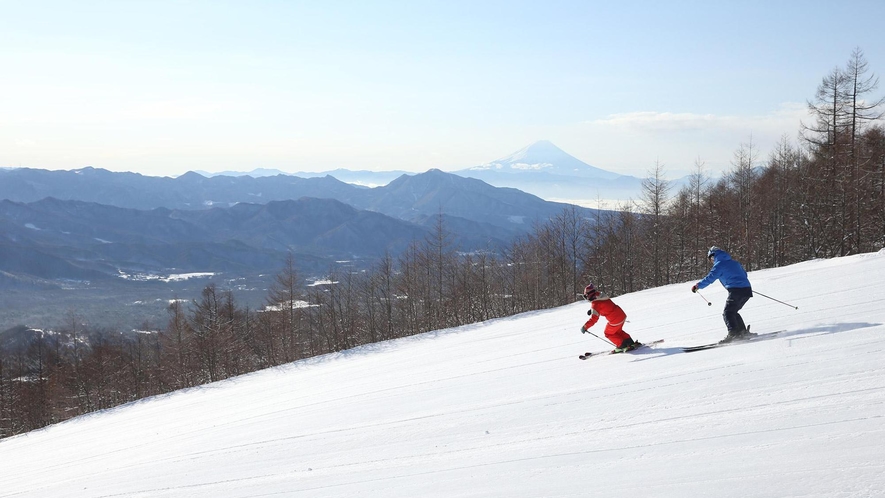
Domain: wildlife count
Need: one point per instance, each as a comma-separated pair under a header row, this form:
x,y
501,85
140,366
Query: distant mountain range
x,y
92,223
133,190
107,245
542,169
52,239
362,178
154,227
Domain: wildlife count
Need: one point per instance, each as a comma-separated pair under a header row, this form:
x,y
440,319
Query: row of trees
x,y
823,197
820,198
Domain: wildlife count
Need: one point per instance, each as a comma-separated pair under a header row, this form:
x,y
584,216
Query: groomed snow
x,y
505,408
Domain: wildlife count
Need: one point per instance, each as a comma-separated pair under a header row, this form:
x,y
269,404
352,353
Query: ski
x,y
615,351
753,338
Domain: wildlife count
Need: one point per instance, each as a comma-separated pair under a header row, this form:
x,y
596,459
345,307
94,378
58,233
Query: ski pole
x,y
773,299
704,298
601,339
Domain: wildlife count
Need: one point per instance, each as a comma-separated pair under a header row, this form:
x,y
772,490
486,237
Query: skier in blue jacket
x,y
734,278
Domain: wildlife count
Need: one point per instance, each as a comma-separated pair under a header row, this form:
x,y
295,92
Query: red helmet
x,y
590,292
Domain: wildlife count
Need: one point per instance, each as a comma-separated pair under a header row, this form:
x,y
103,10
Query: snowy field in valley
x,y
506,409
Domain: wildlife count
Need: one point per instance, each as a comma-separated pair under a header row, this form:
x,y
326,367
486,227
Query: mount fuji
x,y
544,157
545,170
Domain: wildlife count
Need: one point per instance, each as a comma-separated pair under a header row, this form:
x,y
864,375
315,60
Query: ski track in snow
x,y
505,408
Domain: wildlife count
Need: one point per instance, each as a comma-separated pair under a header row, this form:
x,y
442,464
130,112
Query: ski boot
x,y
628,345
739,335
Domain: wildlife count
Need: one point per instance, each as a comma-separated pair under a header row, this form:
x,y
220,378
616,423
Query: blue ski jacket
x,y
726,270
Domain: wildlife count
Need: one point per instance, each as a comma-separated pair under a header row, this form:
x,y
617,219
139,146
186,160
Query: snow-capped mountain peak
x,y
545,157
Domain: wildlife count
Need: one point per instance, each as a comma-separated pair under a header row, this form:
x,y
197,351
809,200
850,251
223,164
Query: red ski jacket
x,y
606,307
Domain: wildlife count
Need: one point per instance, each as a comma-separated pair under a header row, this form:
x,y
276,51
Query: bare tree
x,y
827,187
741,179
655,191
860,114
284,297
778,203
439,249
208,326
698,186
570,229
6,397
177,344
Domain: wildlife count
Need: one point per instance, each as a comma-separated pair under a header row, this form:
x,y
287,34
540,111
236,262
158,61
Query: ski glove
x,y
583,330
694,288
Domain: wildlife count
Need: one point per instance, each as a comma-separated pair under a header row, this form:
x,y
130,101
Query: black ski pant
x,y
737,298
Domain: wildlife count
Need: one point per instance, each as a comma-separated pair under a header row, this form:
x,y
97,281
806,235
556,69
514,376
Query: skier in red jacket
x,y
614,330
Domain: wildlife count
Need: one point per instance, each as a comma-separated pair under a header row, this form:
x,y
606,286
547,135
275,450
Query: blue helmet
x,y
713,250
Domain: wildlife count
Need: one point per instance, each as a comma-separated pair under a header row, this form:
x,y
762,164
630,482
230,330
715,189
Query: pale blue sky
x,y
162,87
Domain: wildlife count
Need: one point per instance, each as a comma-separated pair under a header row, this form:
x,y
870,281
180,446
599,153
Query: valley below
x,y
121,305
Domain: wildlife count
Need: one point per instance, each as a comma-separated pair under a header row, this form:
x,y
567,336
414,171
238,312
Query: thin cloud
x,y
782,120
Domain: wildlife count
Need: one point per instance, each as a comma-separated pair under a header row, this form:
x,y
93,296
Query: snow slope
x,y
505,408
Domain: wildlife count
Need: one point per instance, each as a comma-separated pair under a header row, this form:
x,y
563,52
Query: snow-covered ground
x,y
506,408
